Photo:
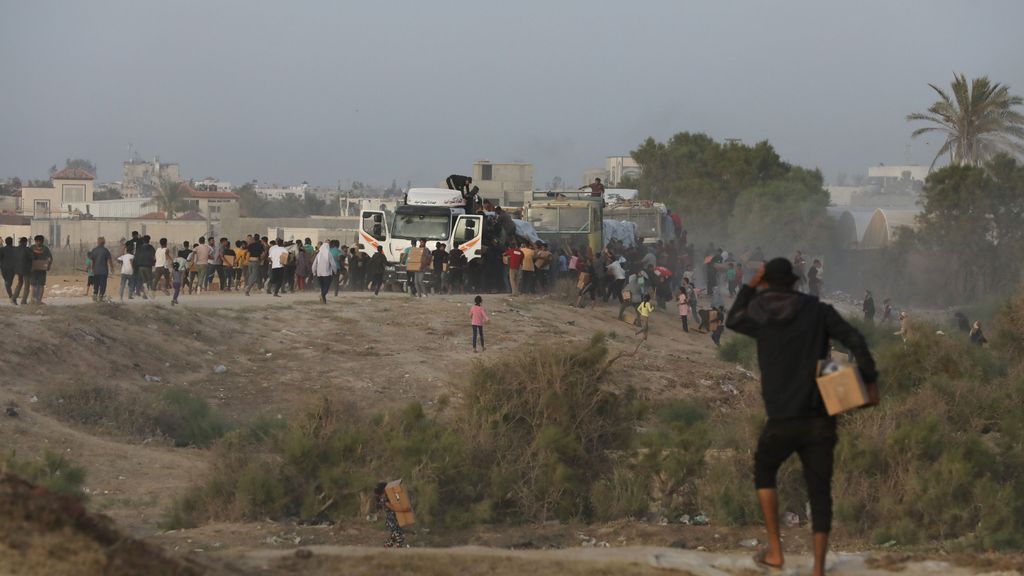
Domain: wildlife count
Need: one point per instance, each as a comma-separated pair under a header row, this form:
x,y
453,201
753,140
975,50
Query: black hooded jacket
x,y
793,331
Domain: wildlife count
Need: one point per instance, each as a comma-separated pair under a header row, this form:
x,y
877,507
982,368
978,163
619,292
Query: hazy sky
x,y
286,91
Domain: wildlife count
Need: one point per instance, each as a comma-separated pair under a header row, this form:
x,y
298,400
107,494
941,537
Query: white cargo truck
x,y
434,214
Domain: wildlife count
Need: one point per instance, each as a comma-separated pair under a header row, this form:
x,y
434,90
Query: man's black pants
x,y
814,440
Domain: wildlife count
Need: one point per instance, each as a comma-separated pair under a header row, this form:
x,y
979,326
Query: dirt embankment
x,y
279,357
42,532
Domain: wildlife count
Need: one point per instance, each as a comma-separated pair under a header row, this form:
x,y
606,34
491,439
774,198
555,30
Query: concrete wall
x,y
15,231
124,208
506,184
344,229
85,232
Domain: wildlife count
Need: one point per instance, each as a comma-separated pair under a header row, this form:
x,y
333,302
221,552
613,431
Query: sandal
x,y
759,560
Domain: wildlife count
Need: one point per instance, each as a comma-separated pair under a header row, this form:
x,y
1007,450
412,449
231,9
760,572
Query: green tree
x,y
169,197
721,190
978,121
250,205
973,217
783,214
107,192
80,163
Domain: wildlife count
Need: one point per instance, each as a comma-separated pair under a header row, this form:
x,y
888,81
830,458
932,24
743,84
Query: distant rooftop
x,y
73,174
223,195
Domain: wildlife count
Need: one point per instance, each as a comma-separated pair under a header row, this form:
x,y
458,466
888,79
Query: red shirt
x,y
515,258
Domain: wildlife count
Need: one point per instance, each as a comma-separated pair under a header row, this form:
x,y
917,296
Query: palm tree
x,y
977,122
168,196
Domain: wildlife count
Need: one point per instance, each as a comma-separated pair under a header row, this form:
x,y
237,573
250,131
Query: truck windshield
x,y
415,226
558,219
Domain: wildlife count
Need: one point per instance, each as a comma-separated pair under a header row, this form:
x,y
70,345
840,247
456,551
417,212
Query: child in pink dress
x,y
478,316
684,308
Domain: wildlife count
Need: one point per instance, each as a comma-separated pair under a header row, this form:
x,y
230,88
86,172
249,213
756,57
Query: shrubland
x,y
175,413
560,437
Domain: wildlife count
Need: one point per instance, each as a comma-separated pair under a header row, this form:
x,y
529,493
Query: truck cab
x,y
435,214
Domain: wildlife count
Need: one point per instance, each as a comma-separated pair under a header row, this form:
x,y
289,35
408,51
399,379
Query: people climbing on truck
x,y
596,188
459,182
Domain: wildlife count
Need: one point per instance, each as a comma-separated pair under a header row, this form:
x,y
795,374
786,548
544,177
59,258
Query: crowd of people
x,y
640,278
24,269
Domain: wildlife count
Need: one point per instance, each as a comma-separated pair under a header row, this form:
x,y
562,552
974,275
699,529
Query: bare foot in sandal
x,y
763,559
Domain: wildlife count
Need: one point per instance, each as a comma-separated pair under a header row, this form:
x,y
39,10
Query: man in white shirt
x,y
127,269
201,258
276,265
162,270
618,278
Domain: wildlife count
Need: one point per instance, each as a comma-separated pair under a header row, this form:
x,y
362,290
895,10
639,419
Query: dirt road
x,y
330,560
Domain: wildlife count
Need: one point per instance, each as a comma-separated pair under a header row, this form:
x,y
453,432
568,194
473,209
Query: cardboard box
x,y
417,257
400,502
843,391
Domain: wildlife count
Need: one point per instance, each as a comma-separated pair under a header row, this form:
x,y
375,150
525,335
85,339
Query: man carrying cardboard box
x,y
793,331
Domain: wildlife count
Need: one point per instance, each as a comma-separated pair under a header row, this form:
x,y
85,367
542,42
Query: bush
x,y
109,408
739,349
188,420
942,458
548,425
944,443
51,470
671,457
531,441
622,494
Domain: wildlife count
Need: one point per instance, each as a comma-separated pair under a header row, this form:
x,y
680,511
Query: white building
x,y
884,187
616,169
620,168
894,173
276,192
209,184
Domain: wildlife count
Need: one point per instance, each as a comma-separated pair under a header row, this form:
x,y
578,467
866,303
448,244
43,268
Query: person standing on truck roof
x,y
460,183
596,188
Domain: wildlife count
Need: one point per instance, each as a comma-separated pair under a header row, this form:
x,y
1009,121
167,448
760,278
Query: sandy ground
x,y
282,354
